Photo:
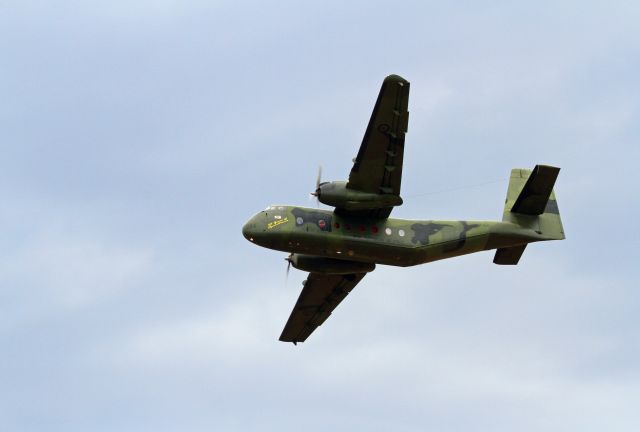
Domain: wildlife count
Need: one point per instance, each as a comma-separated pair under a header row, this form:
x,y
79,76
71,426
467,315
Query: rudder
x,y
531,201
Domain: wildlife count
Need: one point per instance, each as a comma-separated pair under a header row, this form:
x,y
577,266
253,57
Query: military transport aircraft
x,y
338,248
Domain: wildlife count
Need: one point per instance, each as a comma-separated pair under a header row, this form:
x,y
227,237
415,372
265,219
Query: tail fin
x,y
531,203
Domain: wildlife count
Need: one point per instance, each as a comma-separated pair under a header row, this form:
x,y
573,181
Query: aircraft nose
x,y
251,230
248,230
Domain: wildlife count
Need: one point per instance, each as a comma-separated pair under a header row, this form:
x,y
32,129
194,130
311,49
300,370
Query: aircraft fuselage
x,y
398,242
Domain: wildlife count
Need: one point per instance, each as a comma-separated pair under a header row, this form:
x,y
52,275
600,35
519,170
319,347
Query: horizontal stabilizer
x,y
535,194
509,255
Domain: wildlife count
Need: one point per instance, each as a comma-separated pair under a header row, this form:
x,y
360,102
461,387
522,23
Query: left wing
x,y
321,294
378,167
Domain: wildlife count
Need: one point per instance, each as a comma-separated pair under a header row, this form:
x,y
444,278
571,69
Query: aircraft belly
x,y
411,242
452,248
350,248
404,255
280,241
309,244
379,252
420,241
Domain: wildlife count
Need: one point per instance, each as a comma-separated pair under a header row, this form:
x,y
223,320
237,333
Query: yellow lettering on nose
x,y
276,223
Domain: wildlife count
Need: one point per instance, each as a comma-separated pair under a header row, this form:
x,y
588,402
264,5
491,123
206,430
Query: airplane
x,y
338,248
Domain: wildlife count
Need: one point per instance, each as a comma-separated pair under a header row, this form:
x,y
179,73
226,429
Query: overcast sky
x,y
137,137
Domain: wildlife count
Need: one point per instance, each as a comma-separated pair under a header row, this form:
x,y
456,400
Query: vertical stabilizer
x,y
531,203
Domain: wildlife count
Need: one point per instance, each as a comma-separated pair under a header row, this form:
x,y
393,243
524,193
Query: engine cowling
x,y
337,194
316,264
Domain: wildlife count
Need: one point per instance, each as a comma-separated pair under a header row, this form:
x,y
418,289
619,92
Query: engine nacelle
x,y
336,194
316,264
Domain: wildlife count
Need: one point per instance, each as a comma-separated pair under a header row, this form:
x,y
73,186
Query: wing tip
x,y
293,341
395,78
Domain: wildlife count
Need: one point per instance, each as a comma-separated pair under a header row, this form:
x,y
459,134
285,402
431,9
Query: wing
x,y
320,295
378,166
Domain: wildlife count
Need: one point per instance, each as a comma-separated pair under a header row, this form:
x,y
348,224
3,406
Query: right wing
x,y
321,294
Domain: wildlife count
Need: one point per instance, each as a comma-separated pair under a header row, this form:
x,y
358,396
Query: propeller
x,y
317,190
288,259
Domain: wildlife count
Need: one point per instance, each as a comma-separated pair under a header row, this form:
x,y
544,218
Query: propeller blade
x,y
317,191
319,178
288,259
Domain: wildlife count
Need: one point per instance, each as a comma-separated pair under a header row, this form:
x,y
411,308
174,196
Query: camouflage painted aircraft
x,y
338,248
